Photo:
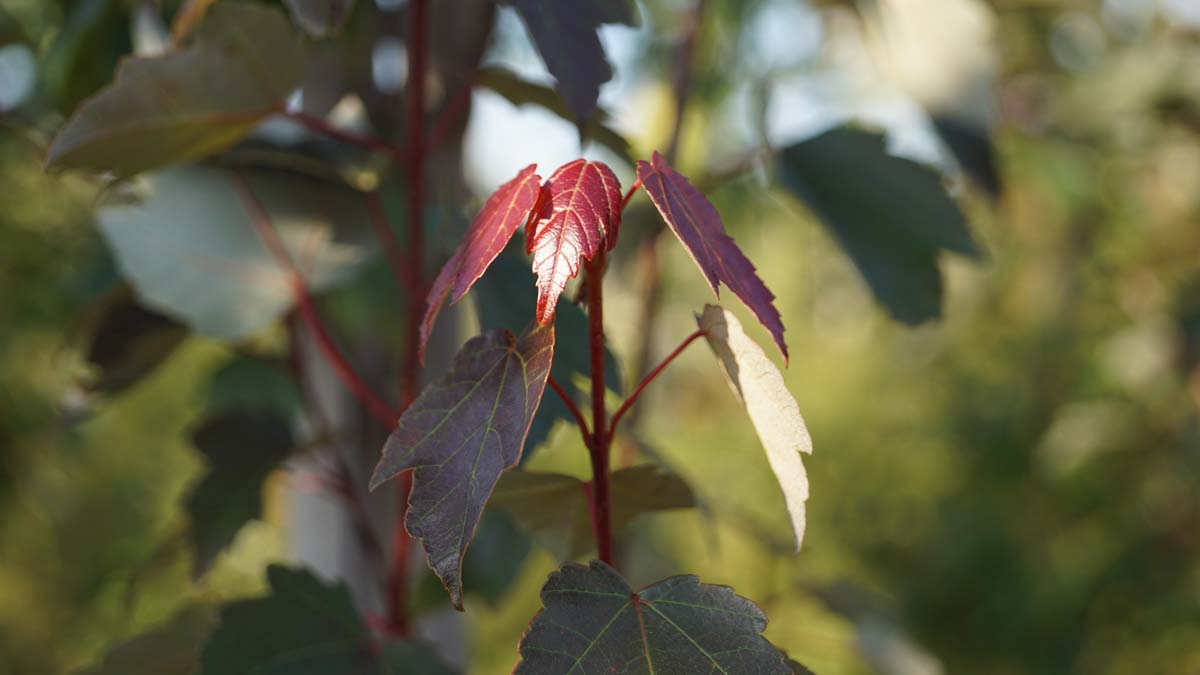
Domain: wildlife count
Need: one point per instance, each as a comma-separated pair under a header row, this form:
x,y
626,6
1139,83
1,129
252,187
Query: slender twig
x,y
599,504
372,402
575,412
388,242
612,427
321,126
629,194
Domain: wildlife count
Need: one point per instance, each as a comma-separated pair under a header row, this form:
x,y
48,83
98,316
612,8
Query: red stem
x,y
322,126
372,402
583,425
629,194
418,23
612,428
600,506
388,242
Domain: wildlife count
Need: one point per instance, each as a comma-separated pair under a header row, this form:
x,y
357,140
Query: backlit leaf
x,y
564,32
579,215
463,431
191,252
696,223
523,92
240,67
320,17
594,623
554,506
241,447
759,386
507,209
306,627
891,215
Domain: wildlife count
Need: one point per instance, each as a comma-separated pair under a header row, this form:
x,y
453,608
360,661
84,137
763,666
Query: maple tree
x,y
456,445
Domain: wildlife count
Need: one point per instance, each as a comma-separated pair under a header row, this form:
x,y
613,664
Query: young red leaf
x,y
506,210
696,223
579,214
463,432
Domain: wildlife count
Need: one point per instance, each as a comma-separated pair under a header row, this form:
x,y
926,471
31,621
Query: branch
x,y
612,429
321,126
583,425
372,402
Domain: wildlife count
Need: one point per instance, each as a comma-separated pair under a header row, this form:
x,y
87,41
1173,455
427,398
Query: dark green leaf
x,y
523,92
461,433
170,649
191,251
128,342
242,448
304,627
498,552
250,383
594,622
320,17
892,215
409,657
565,35
974,150
554,507
240,67
84,53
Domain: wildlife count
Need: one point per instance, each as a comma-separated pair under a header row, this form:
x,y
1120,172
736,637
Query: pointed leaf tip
x,y
697,225
463,431
506,210
577,218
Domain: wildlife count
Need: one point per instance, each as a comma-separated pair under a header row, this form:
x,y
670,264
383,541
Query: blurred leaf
x,y
577,217
973,148
305,627
892,215
555,508
522,92
242,64
128,342
498,553
759,386
248,382
242,448
85,52
460,434
698,226
506,210
170,649
498,305
190,249
594,622
188,17
564,32
320,17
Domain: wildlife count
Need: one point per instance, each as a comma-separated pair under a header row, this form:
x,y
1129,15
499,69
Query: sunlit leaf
x,y
564,32
170,649
554,506
305,627
241,449
463,431
696,223
759,386
593,622
191,251
320,17
239,68
892,215
506,210
523,92
579,215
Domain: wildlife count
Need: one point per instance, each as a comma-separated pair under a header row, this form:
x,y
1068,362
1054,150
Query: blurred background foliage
x,y
1014,488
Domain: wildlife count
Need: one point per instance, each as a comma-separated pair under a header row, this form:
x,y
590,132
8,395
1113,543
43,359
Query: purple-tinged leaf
x,y
507,209
564,32
696,223
578,216
594,623
463,432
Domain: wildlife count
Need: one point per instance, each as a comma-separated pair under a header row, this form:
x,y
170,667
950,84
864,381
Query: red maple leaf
x,y
505,211
578,216
696,223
